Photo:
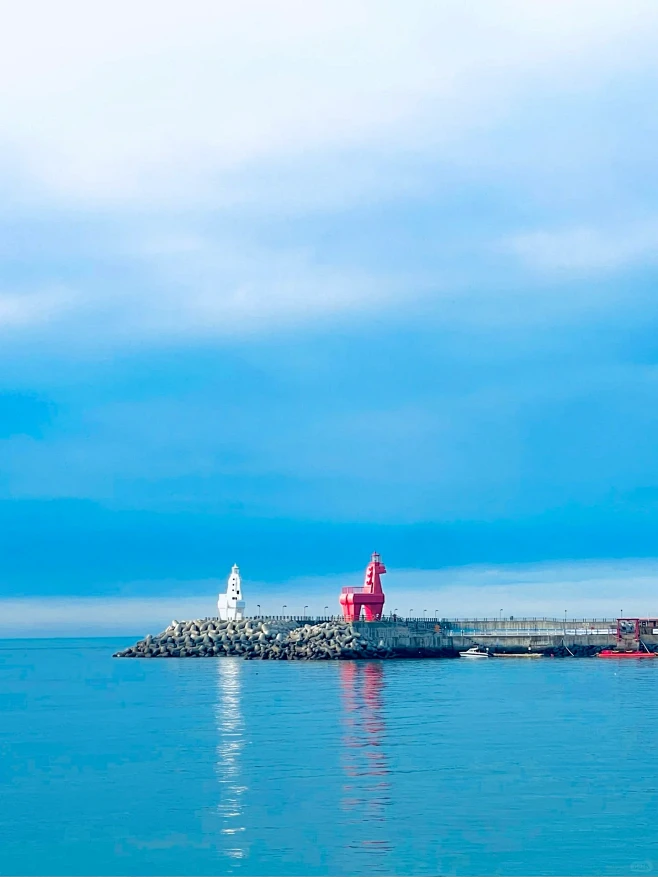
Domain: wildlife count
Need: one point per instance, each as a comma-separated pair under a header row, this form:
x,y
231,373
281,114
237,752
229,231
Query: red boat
x,y
629,638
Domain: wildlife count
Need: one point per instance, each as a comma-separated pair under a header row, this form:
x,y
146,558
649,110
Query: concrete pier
x,y
518,635
290,640
499,635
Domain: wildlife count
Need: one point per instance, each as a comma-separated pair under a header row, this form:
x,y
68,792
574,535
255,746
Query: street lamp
x,y
258,607
424,611
326,609
500,616
305,608
411,613
285,606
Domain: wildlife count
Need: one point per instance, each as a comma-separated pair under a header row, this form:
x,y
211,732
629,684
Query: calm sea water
x,y
412,767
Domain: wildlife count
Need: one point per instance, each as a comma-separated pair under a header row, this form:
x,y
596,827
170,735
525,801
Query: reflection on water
x,y
562,780
366,790
231,729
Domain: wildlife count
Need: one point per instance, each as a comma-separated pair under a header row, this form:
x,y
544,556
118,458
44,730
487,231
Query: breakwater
x,y
251,638
335,639
287,640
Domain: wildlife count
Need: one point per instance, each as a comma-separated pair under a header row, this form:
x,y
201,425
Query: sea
x,y
402,767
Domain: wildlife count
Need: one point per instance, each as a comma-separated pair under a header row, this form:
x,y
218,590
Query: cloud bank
x,y
197,137
584,590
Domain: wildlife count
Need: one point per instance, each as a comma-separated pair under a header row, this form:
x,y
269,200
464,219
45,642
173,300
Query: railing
x,y
457,624
535,631
311,619
521,618
360,590
390,617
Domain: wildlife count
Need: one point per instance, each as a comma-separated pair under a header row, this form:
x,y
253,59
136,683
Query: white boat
x,y
476,652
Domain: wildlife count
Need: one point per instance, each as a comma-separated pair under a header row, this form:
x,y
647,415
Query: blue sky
x,y
286,283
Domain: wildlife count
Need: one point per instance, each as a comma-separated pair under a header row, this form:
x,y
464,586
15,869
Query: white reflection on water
x,y
230,728
366,789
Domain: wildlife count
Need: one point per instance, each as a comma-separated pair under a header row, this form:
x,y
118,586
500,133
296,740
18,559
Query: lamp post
x,y
285,606
305,608
326,610
500,617
424,612
258,607
411,613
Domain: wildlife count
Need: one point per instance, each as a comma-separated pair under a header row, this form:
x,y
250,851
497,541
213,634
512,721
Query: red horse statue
x,y
370,597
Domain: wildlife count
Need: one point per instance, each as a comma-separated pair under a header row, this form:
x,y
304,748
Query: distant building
x,y
231,604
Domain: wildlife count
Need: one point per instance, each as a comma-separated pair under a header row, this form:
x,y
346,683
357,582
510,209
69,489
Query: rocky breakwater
x,y
254,639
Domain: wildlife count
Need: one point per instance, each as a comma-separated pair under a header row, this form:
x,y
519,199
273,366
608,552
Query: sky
x,y
283,284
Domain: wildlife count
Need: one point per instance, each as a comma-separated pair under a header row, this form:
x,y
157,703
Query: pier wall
x,y
417,636
407,636
531,634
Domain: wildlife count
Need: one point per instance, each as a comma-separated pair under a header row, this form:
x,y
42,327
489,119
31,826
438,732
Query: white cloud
x,y
161,99
193,286
183,111
587,249
41,307
96,616
222,287
586,589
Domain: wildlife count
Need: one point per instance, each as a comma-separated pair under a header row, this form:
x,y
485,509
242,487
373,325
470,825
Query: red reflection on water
x,y
366,792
